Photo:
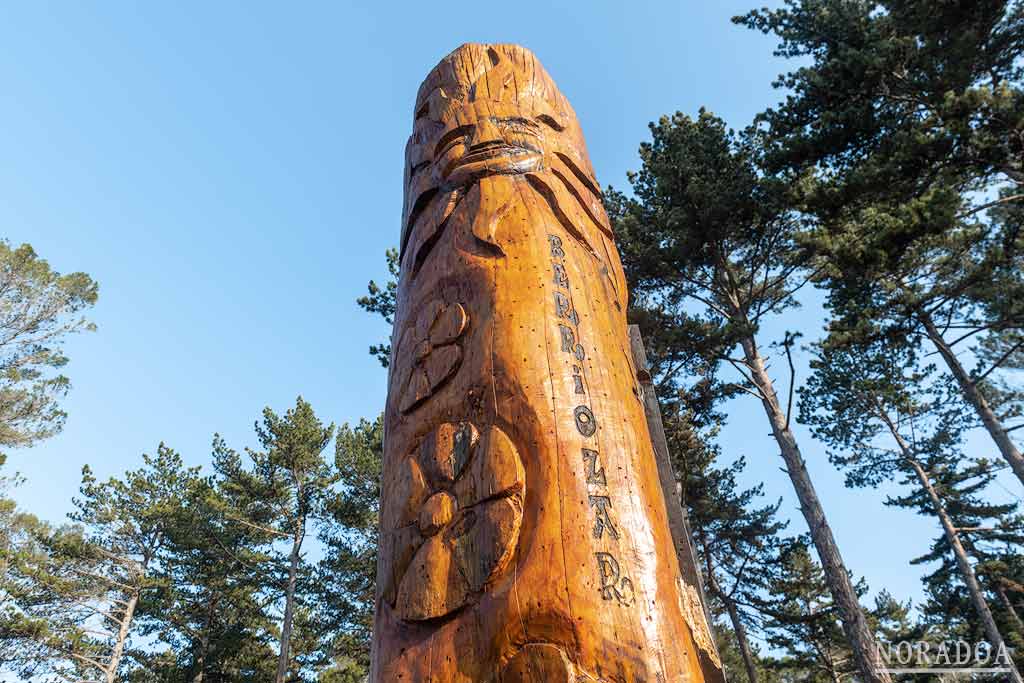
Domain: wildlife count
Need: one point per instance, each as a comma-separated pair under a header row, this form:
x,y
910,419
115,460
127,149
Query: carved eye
x,y
550,122
450,138
519,125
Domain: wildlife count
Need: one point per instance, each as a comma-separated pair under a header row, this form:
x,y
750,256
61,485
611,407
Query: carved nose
x,y
485,134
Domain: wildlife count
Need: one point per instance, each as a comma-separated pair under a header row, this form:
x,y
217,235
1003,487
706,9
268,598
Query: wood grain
x,y
524,532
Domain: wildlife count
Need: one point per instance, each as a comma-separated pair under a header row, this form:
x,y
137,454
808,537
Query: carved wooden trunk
x,y
524,534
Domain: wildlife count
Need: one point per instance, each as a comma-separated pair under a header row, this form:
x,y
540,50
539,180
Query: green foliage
x,y
278,491
885,418
346,580
802,621
736,542
906,124
897,97
990,532
880,413
709,242
705,226
206,605
381,300
732,658
39,309
71,593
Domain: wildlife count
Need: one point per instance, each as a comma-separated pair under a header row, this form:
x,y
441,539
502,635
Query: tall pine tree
x,y
707,232
906,121
884,418
280,490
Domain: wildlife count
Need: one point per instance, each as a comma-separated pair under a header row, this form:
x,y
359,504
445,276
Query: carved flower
x,y
427,354
454,521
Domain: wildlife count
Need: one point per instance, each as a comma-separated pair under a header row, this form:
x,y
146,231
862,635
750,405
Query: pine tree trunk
x,y
739,629
122,637
1010,609
741,638
734,616
204,644
289,604
855,626
201,659
974,397
962,562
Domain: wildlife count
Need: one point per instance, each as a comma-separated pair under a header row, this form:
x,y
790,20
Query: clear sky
x,y
231,174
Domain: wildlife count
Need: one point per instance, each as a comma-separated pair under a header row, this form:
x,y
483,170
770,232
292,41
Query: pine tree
x,y
707,229
281,492
735,541
347,575
381,300
882,418
905,121
71,593
802,619
39,309
988,533
205,606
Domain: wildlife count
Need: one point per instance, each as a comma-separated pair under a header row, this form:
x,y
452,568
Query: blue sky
x,y
231,175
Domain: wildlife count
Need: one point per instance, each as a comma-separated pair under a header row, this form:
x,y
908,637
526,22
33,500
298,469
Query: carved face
x,y
487,110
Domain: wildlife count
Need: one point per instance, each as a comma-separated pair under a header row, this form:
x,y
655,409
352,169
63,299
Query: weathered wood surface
x,y
678,519
524,534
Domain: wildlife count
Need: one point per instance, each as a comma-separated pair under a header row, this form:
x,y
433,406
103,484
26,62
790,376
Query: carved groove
x,y
548,194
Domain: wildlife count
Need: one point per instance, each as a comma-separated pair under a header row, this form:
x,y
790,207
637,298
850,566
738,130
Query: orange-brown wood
x,y
524,533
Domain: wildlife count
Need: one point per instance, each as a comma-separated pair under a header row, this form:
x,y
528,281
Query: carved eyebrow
x,y
549,120
450,136
417,208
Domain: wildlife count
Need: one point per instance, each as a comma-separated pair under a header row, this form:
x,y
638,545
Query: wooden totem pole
x,y
524,533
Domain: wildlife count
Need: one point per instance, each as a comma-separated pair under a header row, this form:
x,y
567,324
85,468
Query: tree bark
x,y
1010,609
855,626
122,637
289,602
741,638
204,644
734,617
974,397
678,517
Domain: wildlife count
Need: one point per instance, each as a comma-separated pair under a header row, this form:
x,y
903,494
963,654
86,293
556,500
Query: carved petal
x,y
425,320
417,389
428,224
441,364
497,469
445,451
396,550
433,585
484,538
538,662
407,491
448,325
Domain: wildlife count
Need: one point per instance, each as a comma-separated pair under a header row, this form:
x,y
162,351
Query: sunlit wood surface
x,y
524,534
